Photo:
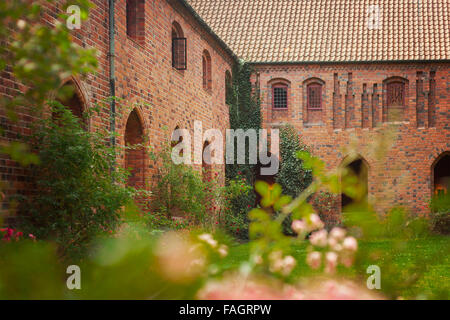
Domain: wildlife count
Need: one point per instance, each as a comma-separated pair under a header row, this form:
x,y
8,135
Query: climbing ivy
x,y
245,113
292,175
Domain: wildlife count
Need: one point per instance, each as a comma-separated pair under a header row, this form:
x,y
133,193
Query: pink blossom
x,y
316,223
337,233
313,259
299,226
319,238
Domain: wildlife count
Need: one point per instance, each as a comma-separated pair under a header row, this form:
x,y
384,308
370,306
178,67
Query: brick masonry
x,y
161,96
354,111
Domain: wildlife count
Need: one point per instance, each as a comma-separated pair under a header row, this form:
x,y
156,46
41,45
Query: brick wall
x,y
354,108
161,96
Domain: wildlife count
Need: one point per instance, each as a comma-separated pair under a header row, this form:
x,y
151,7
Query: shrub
x,y
78,196
326,205
238,200
440,217
181,191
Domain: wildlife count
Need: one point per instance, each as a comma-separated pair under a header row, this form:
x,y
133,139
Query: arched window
x,y
313,97
70,97
136,20
179,50
395,99
228,87
206,70
135,152
206,163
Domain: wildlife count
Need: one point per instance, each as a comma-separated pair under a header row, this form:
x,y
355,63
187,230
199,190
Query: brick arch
x,y
135,157
206,70
78,103
440,173
177,30
395,110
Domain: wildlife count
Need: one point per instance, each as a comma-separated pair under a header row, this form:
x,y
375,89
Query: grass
x,y
417,268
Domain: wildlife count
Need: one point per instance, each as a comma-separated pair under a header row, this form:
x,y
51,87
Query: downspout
x,y
112,80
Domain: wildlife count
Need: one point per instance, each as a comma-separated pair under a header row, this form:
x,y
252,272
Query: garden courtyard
x,y
106,196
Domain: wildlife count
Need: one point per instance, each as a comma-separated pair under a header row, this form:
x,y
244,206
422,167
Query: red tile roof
x,y
330,30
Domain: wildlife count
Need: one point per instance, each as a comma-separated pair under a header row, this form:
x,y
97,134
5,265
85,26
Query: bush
x,y
239,199
326,204
182,192
78,196
440,213
292,176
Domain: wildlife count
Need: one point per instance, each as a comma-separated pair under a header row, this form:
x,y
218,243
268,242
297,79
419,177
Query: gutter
x,y
112,79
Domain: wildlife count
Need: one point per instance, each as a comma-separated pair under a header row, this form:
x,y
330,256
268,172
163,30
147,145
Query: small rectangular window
x,y
279,97
314,97
179,58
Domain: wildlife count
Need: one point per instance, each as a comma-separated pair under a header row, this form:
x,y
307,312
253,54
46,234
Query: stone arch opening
x,y
355,173
206,163
441,174
135,151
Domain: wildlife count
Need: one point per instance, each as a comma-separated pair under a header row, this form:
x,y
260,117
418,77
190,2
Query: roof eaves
x,y
343,61
209,30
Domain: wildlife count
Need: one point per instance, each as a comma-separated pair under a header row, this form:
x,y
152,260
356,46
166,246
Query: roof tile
x,y
330,30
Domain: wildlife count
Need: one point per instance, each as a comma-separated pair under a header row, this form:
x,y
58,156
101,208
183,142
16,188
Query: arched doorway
x,y
135,152
441,174
355,175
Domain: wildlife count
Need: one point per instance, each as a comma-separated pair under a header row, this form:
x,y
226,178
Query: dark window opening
x,y
179,48
357,168
441,175
279,93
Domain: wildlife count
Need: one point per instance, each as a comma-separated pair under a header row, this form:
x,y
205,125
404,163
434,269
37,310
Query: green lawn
x,y
409,268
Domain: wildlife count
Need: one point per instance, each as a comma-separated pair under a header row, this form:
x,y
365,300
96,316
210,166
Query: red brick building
x,y
337,70
169,70
342,71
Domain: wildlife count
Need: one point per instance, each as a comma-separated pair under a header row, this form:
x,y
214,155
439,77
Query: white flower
x,y
319,238
223,250
337,233
350,244
21,24
208,239
288,264
313,259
